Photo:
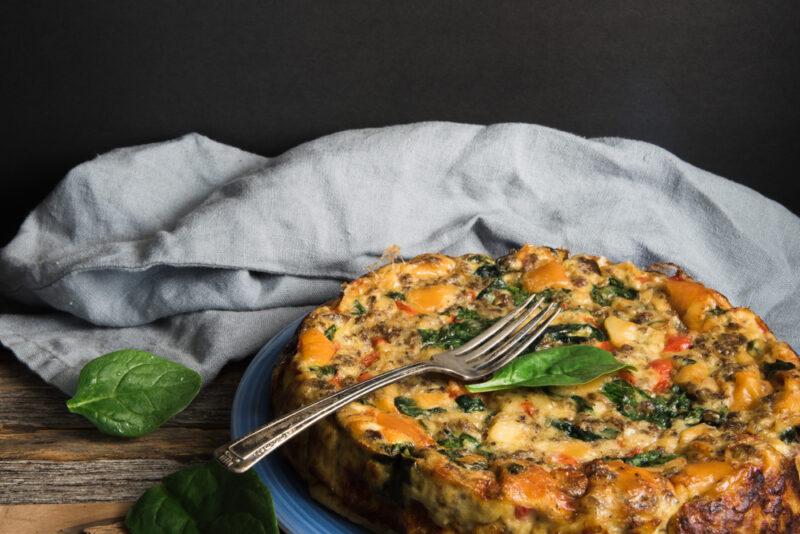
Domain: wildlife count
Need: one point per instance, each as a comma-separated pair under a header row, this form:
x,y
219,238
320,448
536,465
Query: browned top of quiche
x,y
700,434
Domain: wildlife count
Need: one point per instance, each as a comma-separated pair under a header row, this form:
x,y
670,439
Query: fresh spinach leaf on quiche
x,y
130,392
566,365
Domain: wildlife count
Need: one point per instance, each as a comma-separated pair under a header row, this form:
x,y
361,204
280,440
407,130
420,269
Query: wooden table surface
x,y
59,474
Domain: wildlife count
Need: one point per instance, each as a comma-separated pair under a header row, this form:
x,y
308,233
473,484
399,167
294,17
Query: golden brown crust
x,y
503,467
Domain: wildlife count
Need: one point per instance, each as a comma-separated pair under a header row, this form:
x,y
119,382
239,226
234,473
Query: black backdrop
x,y
716,83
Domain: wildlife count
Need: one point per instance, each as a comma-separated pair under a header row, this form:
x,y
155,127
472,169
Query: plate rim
x,y
249,398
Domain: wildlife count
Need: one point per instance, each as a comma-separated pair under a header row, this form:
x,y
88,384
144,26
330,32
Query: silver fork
x,y
481,356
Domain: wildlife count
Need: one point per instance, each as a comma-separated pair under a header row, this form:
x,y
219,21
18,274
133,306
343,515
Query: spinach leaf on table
x,y
132,392
567,365
204,499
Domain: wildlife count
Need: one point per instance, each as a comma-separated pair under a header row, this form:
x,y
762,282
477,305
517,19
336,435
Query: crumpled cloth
x,y
200,252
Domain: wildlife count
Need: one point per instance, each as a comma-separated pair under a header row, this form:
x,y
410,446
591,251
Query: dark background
x,y
714,82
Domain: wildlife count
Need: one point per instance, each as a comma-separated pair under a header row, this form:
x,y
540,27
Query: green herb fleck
x,y
467,325
716,311
581,404
603,295
650,458
396,295
574,431
470,403
323,370
660,410
330,332
572,333
408,406
457,442
359,309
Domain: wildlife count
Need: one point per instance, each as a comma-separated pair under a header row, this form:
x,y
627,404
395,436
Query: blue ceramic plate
x,y
297,512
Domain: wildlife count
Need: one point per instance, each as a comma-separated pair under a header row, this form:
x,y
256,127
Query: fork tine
x,y
518,316
512,347
520,326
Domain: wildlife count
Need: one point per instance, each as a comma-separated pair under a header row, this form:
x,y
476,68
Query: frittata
x,y
699,434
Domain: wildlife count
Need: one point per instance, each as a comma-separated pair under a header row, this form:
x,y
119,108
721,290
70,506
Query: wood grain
x,y
50,458
87,481
83,518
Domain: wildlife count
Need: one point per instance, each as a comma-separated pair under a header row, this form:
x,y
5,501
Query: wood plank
x,y
37,482
27,402
82,518
67,445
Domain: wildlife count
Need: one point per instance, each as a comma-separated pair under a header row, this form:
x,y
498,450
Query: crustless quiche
x,y
699,434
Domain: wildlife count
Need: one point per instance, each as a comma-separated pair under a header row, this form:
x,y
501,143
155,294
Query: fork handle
x,y
242,454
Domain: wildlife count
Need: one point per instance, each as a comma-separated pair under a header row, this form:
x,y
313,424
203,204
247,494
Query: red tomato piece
x,y
402,306
678,343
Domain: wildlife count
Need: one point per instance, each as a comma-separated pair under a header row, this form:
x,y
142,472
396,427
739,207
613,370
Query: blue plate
x,y
297,512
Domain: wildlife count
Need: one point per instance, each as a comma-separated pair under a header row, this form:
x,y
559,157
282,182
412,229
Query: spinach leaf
x,y
488,270
650,458
603,295
553,295
323,370
396,295
455,445
358,309
467,325
581,404
132,392
468,403
572,333
518,295
660,410
330,332
574,431
568,365
791,435
408,406
770,368
204,499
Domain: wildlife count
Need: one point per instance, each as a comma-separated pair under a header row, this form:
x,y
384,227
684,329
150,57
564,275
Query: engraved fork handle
x,y
244,453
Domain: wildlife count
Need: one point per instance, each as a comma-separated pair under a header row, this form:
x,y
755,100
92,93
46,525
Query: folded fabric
x,y
200,252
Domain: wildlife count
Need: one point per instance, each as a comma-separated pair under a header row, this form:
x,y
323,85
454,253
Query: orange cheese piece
x,y
398,428
315,348
551,274
432,299
691,300
748,389
697,478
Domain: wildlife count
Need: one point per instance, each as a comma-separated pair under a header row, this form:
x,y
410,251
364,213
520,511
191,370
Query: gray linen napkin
x,y
200,252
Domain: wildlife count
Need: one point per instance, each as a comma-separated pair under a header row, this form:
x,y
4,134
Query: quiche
x,y
699,434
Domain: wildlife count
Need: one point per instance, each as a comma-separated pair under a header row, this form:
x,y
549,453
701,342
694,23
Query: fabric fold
x,y
200,251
